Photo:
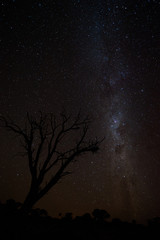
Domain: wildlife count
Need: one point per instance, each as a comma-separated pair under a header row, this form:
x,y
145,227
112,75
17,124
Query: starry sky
x,y
100,56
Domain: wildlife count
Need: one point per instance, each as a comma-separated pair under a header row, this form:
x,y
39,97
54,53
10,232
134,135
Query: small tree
x,y
100,214
50,148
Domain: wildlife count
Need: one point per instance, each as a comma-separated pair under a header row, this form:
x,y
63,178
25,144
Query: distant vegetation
x,y
38,225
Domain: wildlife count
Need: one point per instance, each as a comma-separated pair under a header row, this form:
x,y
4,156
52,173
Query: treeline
x,y
96,226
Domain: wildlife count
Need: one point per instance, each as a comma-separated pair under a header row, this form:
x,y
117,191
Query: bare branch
x,y
42,140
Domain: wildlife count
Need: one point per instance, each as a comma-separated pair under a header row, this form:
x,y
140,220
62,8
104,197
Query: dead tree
x,y
50,148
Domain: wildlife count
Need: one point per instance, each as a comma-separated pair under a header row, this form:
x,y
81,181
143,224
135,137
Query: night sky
x,y
100,56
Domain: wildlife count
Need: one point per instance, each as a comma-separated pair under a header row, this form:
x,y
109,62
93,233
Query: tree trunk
x,y
30,200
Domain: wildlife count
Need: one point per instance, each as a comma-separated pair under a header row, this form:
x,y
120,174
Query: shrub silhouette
x,y
100,214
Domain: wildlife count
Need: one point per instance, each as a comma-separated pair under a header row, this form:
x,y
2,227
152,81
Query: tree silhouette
x,y
50,146
100,214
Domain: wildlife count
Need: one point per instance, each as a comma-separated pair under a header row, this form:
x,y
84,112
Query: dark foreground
x,y
38,225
